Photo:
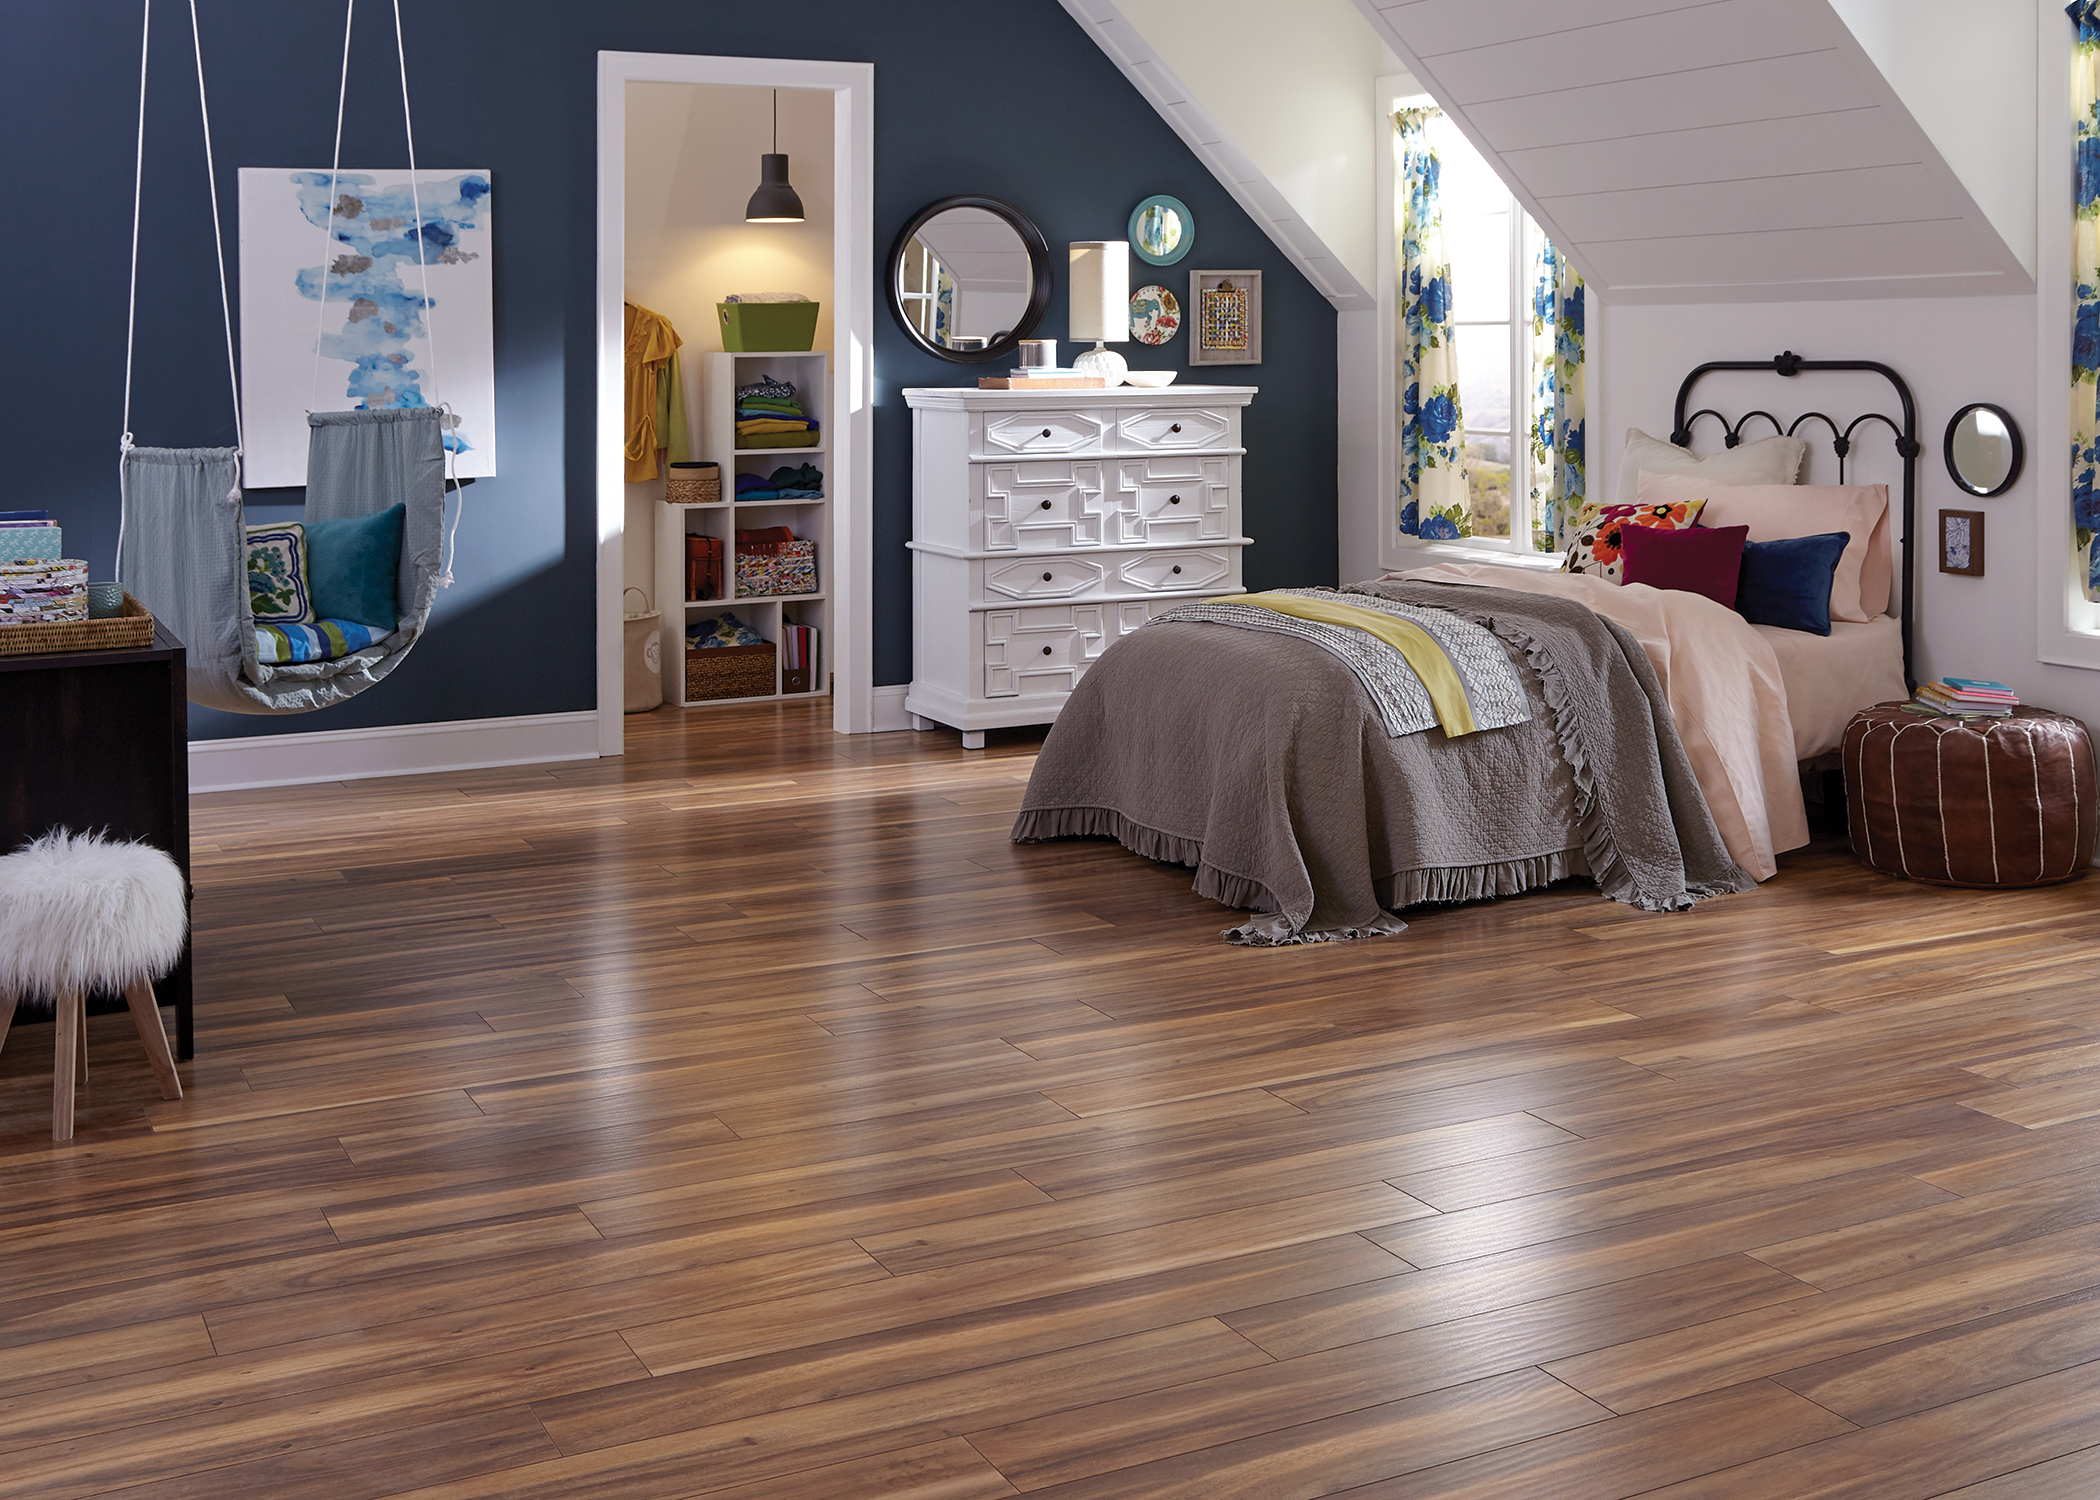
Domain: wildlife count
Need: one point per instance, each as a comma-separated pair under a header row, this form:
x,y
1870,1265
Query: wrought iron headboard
x,y
1906,436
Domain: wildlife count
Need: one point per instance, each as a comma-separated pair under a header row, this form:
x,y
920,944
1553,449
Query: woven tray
x,y
130,627
729,672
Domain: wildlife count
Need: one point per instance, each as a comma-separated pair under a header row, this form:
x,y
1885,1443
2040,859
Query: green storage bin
x,y
768,327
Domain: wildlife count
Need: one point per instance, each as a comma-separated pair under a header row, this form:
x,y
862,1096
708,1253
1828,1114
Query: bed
x,y
1659,756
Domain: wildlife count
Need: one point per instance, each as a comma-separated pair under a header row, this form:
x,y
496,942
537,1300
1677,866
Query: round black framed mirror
x,y
968,279
1983,450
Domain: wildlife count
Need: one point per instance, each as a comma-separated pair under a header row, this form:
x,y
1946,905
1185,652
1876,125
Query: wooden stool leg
x,y
80,1051
66,1043
7,1014
145,1015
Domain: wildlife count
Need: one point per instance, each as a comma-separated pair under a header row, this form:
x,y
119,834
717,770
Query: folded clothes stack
x,y
788,482
769,415
43,592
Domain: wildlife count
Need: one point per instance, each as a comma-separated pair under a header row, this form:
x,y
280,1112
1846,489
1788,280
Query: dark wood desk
x,y
100,740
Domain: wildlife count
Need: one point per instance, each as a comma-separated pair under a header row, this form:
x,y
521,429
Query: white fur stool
x,y
80,912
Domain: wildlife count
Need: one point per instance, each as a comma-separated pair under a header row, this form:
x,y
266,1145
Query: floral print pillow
x,y
277,587
1598,530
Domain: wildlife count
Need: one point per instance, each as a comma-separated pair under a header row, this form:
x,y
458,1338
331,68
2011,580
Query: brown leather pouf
x,y
1976,802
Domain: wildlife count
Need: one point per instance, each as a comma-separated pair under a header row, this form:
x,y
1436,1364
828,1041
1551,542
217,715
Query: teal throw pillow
x,y
278,591
354,566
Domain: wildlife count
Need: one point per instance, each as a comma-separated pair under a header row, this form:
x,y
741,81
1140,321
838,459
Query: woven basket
x,y
729,672
693,484
130,627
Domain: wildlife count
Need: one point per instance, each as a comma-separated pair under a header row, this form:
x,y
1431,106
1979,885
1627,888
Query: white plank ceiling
x,y
1704,150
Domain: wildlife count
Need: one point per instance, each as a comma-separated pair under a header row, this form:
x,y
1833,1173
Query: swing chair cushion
x,y
323,640
354,565
278,589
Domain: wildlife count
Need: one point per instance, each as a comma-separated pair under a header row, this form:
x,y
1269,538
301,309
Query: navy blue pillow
x,y
1787,583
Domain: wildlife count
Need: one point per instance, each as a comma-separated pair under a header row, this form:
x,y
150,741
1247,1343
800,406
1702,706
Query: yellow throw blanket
x,y
1415,645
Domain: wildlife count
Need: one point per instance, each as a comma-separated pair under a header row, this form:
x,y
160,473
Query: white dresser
x,y
1047,525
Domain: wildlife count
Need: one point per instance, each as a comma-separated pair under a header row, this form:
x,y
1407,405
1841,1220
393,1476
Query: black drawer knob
x,y
1175,428
1046,431
1177,567
1046,578
1046,505
1046,651
1173,499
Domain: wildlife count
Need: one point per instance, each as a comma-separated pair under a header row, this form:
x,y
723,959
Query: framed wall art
x,y
1961,542
1225,308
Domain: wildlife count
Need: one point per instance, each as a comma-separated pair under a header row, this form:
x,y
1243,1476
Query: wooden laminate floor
x,y
747,1118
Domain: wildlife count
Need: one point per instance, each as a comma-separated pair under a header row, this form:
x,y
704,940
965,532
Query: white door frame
x,y
850,571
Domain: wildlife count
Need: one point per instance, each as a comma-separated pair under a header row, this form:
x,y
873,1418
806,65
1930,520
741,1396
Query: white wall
x,y
1965,71
1293,86
692,164
1951,352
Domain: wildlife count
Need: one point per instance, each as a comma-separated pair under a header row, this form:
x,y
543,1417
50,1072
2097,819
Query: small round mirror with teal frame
x,y
1162,230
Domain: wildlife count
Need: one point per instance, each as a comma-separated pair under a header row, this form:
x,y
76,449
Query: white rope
x,y
335,167
131,316
415,194
211,174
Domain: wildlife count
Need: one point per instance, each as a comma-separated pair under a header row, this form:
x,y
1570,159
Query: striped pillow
x,y
324,640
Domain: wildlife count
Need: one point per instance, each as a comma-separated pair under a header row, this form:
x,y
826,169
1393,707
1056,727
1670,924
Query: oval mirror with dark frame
x,y
1983,450
969,278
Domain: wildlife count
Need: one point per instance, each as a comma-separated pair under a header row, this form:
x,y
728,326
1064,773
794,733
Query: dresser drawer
x,y
1042,650
1161,572
1045,432
1051,505
1165,429
1044,578
1175,499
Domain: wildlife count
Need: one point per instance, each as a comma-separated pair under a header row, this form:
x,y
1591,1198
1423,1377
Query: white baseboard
x,y
395,750
888,706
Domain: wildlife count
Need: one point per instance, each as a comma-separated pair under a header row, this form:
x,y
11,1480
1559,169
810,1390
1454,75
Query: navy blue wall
x,y
1014,102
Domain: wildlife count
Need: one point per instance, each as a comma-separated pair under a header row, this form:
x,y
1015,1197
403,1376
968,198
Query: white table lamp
x,y
1099,289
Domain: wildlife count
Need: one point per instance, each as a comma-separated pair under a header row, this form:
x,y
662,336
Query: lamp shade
x,y
776,201
1099,286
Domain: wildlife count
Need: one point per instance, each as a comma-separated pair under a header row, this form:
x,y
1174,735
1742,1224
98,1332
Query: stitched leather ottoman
x,y
1974,802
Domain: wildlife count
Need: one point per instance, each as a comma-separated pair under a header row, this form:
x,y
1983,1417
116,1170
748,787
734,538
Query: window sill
x,y
1432,553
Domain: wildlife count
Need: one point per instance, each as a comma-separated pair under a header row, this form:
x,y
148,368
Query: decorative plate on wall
x,y
1162,230
1155,315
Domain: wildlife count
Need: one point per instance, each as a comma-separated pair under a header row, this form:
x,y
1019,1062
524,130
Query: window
x,y
1518,378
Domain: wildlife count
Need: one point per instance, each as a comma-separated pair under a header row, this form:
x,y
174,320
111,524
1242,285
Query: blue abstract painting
x,y
360,292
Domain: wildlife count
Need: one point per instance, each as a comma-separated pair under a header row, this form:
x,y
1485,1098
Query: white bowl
x,y
1150,379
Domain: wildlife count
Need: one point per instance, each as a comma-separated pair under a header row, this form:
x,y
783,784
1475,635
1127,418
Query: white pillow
x,y
1765,460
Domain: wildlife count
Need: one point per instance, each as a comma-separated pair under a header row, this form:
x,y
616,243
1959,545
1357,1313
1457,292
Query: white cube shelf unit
x,y
810,520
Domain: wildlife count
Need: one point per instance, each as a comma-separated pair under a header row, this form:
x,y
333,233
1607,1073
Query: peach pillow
x,y
1773,512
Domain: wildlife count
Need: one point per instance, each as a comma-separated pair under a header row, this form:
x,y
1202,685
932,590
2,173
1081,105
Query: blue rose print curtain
x,y
2085,275
1557,394
1432,465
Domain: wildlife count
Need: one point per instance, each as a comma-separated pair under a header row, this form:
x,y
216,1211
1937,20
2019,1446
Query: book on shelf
x,y
798,658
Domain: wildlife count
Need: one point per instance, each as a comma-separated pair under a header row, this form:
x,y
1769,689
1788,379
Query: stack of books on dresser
x,y
1041,378
1965,698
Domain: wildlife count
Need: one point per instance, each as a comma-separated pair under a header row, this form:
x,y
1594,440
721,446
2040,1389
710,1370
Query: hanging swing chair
x,y
182,546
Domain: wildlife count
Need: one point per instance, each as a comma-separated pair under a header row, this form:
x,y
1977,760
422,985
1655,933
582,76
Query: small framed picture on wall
x,y
1226,309
1961,542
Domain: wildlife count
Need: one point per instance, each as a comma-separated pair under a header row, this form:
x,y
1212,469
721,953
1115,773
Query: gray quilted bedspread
x,y
1259,759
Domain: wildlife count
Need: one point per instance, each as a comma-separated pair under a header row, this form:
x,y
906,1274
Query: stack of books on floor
x,y
1041,378
1965,698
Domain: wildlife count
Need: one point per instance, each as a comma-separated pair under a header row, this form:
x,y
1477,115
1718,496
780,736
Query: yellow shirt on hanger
x,y
655,395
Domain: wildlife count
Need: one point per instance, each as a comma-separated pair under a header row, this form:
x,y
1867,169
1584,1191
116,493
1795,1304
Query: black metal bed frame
x,y
1790,364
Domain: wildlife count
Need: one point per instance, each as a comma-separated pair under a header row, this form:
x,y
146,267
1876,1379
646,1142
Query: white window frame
x,y
1395,551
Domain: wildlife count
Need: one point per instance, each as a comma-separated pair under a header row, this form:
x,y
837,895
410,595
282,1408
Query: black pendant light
x,y
775,202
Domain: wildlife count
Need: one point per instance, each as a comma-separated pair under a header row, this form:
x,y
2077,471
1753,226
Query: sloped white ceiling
x,y
1705,150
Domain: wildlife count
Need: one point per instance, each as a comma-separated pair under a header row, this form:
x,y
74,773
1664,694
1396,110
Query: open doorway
x,y
680,146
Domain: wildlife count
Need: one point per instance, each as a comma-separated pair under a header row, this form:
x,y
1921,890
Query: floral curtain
x,y
1432,465
2085,276
1557,396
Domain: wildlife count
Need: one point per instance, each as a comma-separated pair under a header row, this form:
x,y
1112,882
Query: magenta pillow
x,y
1697,560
